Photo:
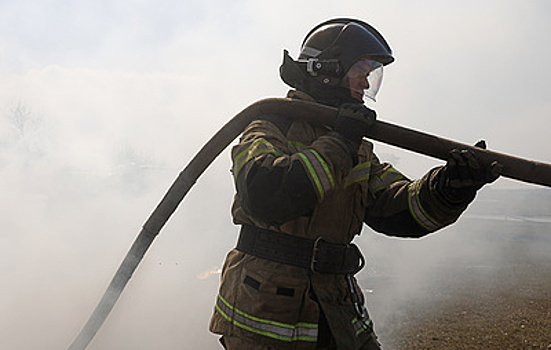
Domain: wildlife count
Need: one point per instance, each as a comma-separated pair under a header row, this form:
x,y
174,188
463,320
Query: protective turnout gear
x,y
463,175
298,179
319,255
328,59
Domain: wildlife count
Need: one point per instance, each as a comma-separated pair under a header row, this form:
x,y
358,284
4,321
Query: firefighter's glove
x,y
464,174
353,122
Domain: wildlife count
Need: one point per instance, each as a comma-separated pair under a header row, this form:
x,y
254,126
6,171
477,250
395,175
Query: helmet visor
x,y
364,79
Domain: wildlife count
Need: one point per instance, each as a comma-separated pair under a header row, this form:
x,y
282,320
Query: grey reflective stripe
x,y
310,51
361,324
257,148
359,173
300,332
319,172
417,211
387,178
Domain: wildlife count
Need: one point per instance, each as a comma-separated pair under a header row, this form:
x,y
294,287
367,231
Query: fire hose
x,y
412,140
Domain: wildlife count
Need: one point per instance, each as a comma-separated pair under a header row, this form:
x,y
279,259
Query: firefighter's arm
x,y
276,186
404,208
415,208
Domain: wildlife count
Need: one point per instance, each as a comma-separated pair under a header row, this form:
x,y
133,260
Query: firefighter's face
x,y
364,79
358,83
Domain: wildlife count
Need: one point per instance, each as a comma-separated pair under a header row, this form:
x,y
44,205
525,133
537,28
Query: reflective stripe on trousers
x,y
286,332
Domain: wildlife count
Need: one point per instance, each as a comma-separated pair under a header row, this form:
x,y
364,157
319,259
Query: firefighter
x,y
303,191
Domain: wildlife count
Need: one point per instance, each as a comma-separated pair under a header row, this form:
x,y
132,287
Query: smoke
x,y
103,103
81,169
502,230
70,215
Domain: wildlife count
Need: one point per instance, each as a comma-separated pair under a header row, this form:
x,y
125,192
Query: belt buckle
x,y
314,256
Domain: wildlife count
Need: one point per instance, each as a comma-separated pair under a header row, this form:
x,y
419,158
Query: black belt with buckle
x,y
318,255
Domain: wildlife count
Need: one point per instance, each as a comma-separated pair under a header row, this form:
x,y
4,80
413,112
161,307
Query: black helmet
x,y
328,53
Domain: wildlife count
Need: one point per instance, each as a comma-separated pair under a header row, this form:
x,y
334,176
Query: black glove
x,y
464,174
353,122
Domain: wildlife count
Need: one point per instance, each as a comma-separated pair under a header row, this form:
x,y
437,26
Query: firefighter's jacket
x,y
301,179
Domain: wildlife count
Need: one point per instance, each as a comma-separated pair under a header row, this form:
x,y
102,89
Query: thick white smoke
x,y
102,103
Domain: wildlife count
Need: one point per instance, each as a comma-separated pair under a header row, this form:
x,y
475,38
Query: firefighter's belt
x,y
317,255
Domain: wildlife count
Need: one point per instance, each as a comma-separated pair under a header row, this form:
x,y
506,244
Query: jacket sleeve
x,y
274,185
404,208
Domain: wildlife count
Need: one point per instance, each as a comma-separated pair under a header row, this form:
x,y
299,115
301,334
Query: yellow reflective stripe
x,y
302,331
318,170
361,324
313,174
359,173
382,182
416,209
257,148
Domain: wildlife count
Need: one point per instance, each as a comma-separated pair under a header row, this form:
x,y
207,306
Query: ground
x,y
478,307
